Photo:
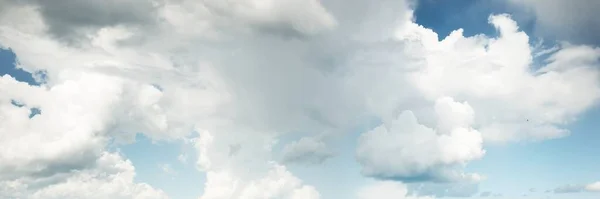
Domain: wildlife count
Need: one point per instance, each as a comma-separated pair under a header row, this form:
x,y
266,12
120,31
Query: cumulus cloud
x,y
110,173
507,110
409,151
244,76
228,177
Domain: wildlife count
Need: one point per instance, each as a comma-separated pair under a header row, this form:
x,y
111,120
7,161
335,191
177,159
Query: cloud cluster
x,y
507,100
234,76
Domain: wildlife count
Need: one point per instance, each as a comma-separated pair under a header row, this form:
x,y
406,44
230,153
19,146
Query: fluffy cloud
x,y
409,151
61,152
512,97
507,100
277,183
110,177
242,77
65,136
228,176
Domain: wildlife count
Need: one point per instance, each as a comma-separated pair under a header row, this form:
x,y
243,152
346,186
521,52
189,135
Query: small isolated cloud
x,y
306,150
183,158
593,187
167,169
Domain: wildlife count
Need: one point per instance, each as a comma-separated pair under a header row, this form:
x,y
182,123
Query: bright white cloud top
x,y
231,78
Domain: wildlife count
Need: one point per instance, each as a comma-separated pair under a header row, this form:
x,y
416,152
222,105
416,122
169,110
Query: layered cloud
x,y
233,76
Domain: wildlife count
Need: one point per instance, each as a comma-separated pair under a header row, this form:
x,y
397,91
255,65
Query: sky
x,y
296,99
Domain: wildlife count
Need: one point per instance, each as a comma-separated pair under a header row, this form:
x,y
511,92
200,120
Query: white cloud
x,y
593,187
511,99
406,150
110,177
387,190
222,73
277,183
61,152
230,177
507,100
66,135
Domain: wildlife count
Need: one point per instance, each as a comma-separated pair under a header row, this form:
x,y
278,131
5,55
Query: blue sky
x,y
170,161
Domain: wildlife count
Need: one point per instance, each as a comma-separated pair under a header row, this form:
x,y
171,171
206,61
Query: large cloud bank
x,y
245,72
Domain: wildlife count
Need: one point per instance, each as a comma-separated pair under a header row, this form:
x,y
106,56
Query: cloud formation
x,y
110,173
408,151
244,73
